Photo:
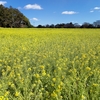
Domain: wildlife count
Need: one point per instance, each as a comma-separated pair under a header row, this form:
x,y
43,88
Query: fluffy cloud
x,y
69,12
35,19
96,8
34,6
3,2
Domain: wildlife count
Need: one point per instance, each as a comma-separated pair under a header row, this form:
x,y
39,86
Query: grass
x,y
49,64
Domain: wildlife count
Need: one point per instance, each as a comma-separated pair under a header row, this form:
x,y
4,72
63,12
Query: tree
x,y
47,26
96,24
85,25
76,25
70,25
40,26
2,16
12,17
52,26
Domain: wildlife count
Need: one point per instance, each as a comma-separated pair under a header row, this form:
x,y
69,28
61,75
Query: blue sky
x,y
57,11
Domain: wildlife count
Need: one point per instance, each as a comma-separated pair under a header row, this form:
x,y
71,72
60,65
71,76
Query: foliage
x,y
72,25
11,17
49,64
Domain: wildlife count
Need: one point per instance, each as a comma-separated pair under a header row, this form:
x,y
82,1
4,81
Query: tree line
x,y
12,17
95,24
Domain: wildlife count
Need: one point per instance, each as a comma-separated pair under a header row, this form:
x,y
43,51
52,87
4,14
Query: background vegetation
x,y
11,17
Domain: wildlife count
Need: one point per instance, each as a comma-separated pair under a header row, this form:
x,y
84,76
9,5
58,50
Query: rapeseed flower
x,y
95,85
54,79
53,94
17,94
83,97
88,68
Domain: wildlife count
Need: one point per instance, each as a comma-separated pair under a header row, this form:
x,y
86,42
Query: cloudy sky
x,y
57,11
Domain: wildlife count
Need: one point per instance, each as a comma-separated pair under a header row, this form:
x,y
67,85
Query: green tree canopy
x,y
12,17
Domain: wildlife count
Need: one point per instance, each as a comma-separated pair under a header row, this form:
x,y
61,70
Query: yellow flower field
x,y
49,64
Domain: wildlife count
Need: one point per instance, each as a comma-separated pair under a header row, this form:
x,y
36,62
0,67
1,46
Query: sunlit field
x,y
49,64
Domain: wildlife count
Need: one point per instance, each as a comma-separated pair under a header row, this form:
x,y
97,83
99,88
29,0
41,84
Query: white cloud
x,y
35,19
96,8
91,11
34,6
3,2
69,12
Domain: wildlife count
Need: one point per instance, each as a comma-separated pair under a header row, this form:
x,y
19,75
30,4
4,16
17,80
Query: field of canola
x,y
49,64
